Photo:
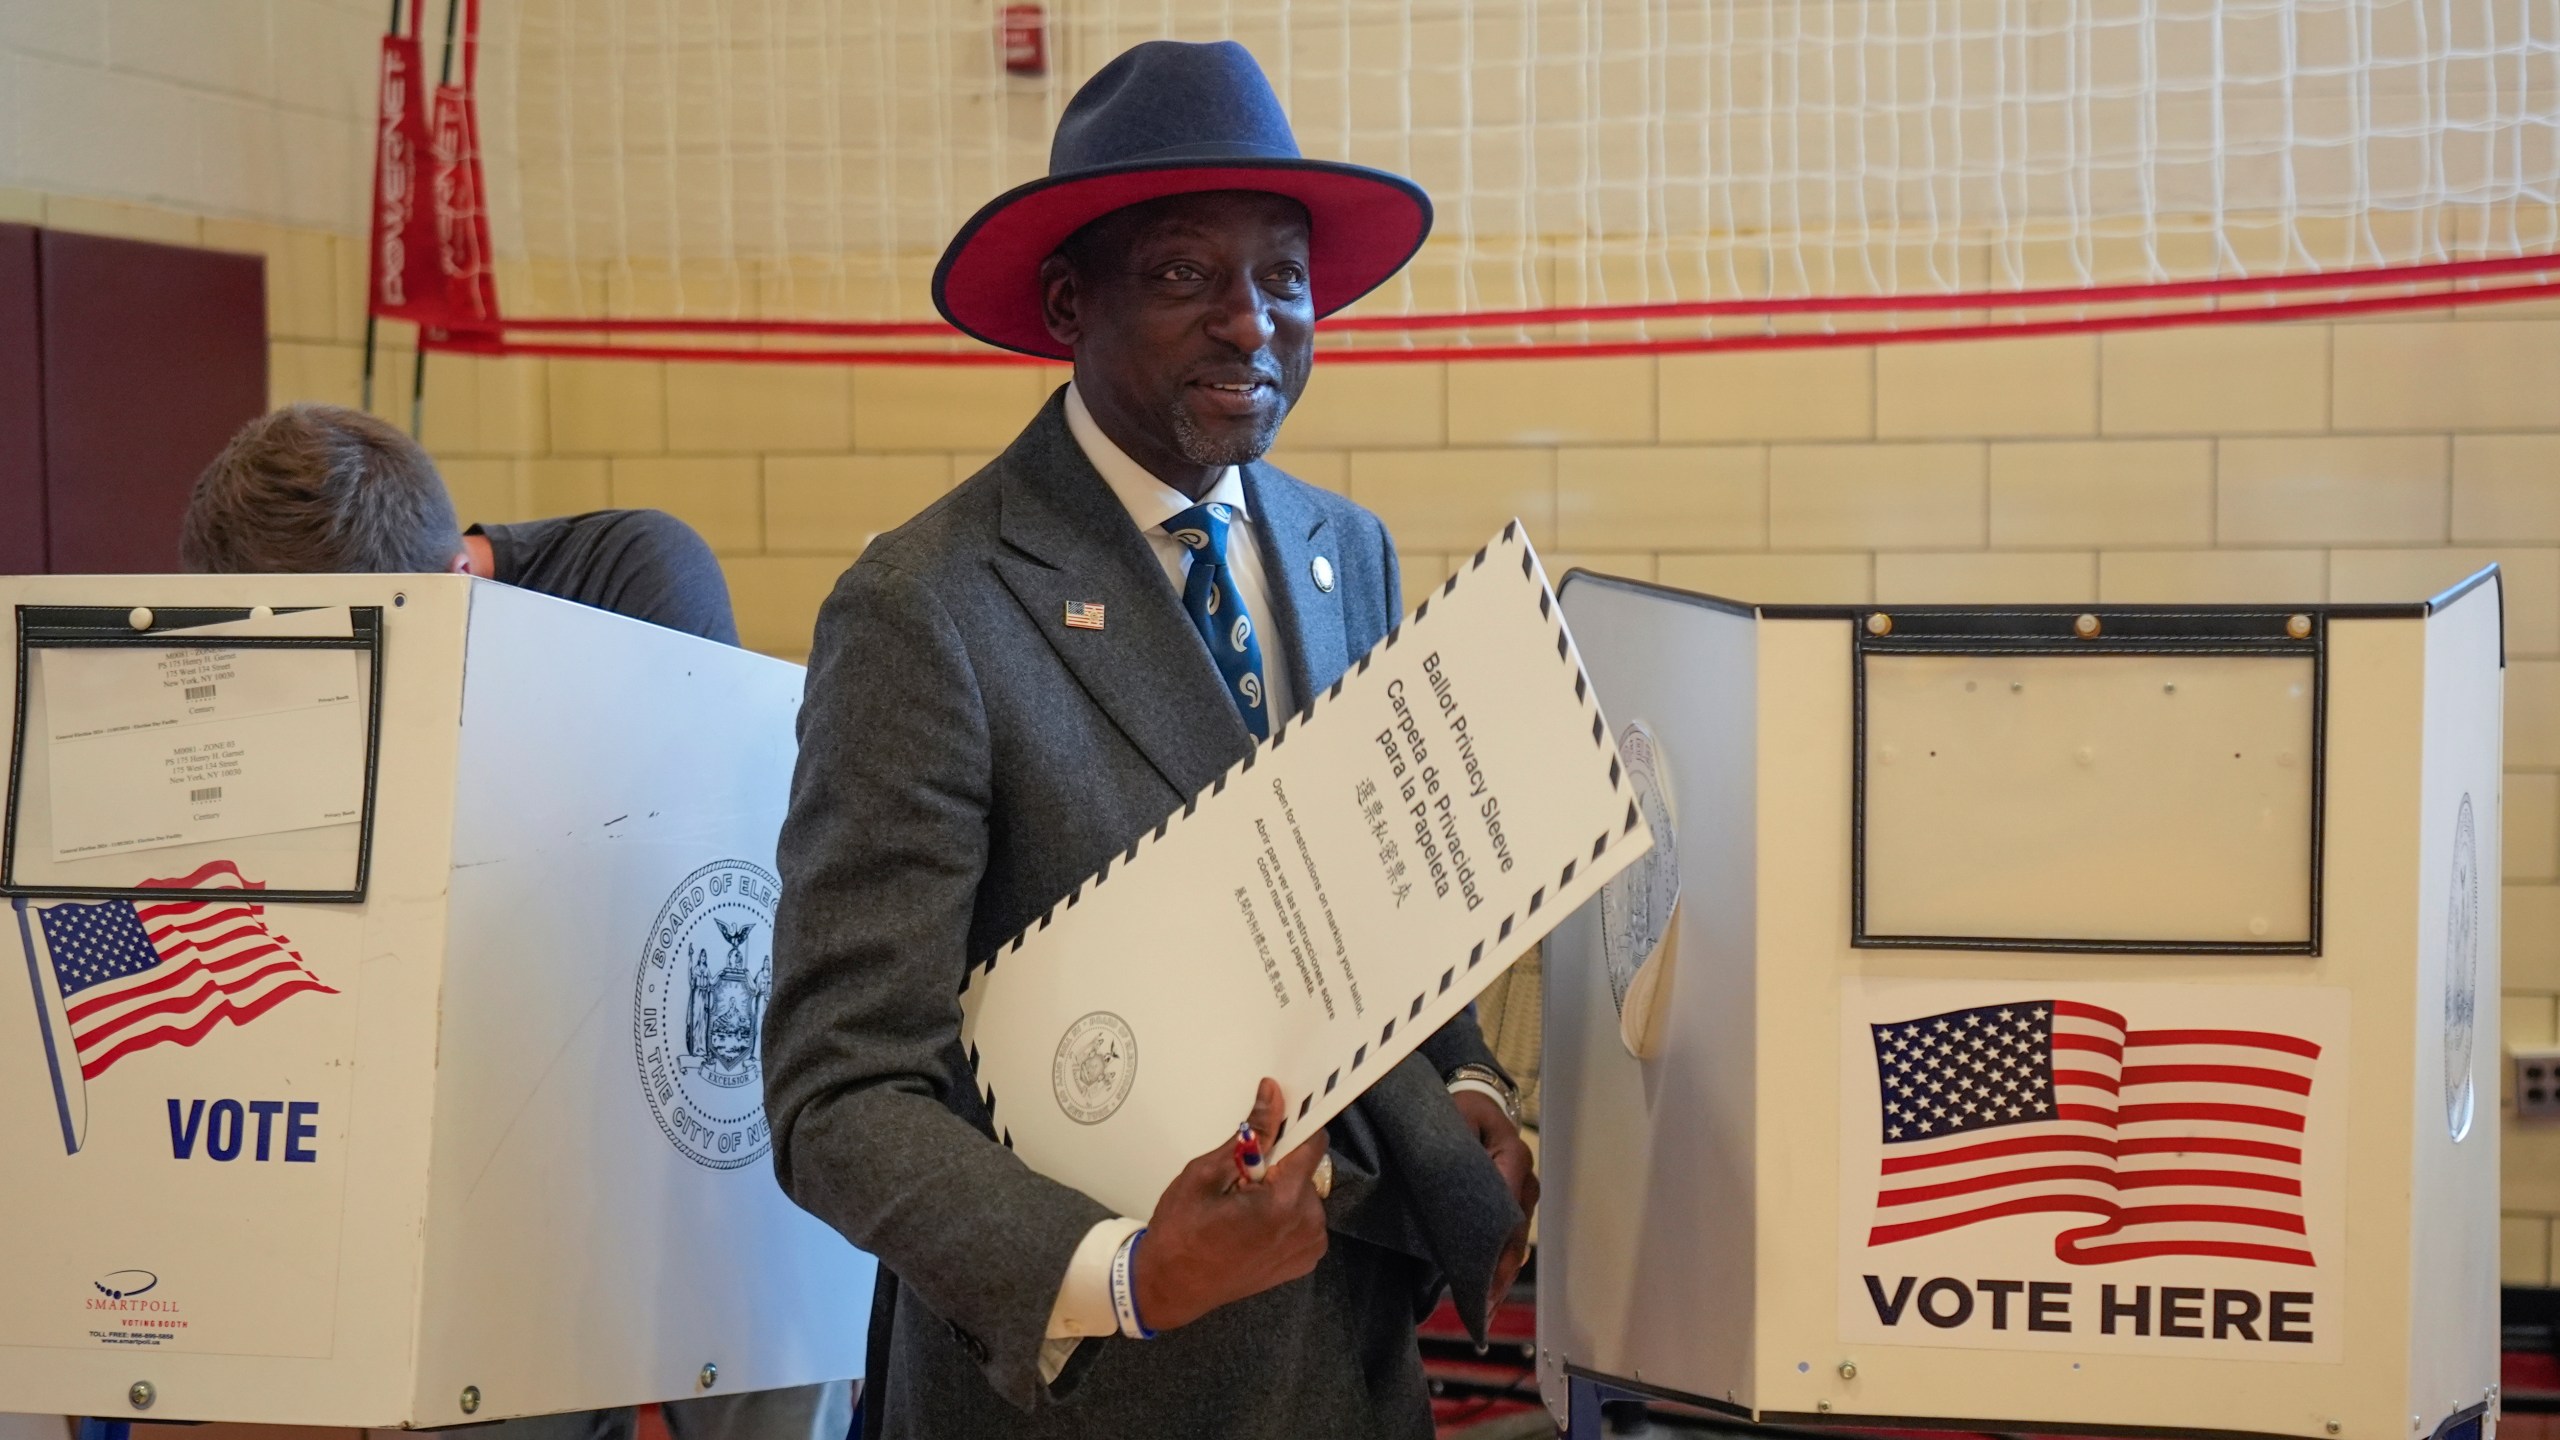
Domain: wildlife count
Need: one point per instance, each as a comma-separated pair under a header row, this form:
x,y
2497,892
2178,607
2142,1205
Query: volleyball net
x,y
773,179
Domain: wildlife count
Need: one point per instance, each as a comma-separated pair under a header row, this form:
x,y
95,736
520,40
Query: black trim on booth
x,y
2047,630
2393,610
2464,586
1648,587
2473,581
1837,1418
102,627
1645,1390
2450,1428
2008,627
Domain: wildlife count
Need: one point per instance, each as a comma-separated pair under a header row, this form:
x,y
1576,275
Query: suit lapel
x,y
1292,535
1071,541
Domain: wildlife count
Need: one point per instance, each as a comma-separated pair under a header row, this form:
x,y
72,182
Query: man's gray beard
x,y
1201,449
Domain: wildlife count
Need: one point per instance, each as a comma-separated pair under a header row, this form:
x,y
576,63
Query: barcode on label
x,y
201,692
202,794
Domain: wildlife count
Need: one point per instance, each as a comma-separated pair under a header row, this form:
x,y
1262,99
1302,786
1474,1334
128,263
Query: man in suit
x,y
1009,689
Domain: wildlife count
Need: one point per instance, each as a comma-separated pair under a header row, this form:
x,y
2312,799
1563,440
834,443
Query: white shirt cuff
x,y
1084,1297
1469,1082
1084,1309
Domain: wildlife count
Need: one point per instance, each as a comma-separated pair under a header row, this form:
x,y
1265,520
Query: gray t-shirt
x,y
646,564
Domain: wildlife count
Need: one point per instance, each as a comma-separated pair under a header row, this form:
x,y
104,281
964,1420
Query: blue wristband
x,y
1124,1288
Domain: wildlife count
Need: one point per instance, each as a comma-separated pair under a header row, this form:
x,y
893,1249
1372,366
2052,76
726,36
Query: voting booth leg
x,y
1597,1410
1582,1410
1585,1408
2035,1019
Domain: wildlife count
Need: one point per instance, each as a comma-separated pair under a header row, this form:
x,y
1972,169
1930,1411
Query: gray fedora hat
x,y
1171,118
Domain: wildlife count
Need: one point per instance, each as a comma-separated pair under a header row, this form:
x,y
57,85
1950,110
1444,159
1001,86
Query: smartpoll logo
x,y
128,1308
125,1284
116,977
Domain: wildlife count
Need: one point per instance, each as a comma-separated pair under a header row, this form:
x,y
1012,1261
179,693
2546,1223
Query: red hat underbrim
x,y
1363,226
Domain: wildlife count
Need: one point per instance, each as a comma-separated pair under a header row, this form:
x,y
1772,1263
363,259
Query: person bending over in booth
x,y
1008,690
318,489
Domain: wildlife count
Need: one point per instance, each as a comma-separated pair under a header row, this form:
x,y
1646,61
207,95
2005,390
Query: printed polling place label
x,y
2116,1168
148,747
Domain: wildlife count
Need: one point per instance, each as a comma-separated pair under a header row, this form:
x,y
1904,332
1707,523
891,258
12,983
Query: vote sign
x,y
2114,1168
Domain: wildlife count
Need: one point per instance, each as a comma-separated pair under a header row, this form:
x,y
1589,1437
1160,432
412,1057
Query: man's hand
x,y
1216,1239
1510,1154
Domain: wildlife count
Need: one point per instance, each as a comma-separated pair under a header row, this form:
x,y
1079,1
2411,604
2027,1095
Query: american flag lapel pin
x,y
1084,614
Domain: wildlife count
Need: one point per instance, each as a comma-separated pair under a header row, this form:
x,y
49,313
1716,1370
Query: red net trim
x,y
2460,277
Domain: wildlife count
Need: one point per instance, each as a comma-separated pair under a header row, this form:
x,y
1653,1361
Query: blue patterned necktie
x,y
1217,610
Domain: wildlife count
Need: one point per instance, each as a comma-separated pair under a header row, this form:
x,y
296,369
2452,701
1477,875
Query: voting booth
x,y
384,1043
2035,1017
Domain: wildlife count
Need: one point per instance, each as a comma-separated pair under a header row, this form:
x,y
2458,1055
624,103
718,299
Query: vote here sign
x,y
2125,1168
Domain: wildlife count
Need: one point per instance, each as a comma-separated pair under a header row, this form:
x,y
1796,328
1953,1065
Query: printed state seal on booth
x,y
697,1019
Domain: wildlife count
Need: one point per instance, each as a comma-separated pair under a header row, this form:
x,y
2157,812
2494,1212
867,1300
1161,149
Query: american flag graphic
x,y
130,975
2173,1141
1084,614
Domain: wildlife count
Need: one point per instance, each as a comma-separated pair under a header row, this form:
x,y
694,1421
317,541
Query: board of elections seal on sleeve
x,y
1095,1067
697,1021
2461,973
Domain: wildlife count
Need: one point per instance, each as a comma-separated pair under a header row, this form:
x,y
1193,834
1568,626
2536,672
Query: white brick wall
x,y
251,109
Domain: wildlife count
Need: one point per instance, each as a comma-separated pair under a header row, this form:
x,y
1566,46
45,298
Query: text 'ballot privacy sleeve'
x,y
1320,910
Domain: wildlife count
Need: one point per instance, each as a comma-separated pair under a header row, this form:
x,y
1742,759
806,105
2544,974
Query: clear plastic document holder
x,y
200,751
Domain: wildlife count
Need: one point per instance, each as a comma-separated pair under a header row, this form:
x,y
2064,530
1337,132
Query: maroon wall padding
x,y
153,356
21,408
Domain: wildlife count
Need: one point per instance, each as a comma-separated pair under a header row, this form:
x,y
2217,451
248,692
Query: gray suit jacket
x,y
965,760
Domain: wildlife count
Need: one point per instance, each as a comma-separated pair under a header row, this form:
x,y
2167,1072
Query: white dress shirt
x,y
1151,502
1083,1307
1084,1298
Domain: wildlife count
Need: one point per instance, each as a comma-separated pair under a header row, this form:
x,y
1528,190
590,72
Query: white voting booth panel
x,y
2065,1020
486,1141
